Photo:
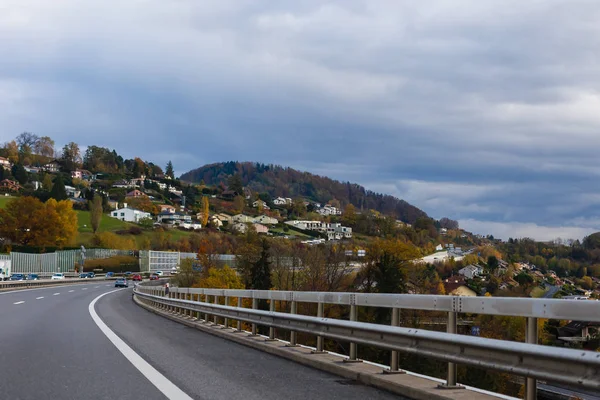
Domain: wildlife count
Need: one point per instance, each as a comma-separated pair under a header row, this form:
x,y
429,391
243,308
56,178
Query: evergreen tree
x,y
169,170
58,191
20,174
235,183
261,269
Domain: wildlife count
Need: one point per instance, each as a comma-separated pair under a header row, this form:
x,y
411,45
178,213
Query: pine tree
x,y
169,170
261,270
58,191
95,212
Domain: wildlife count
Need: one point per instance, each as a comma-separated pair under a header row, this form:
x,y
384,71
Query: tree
x,y
139,167
349,215
27,221
26,142
221,278
205,210
235,183
47,182
58,191
239,203
143,203
492,263
44,147
261,270
146,223
448,223
169,172
18,171
95,212
71,157
11,151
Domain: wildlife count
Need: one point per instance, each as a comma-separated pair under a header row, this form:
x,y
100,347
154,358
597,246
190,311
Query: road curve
x,y
53,349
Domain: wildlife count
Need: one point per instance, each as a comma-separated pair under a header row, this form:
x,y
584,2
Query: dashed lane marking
x,y
39,298
19,302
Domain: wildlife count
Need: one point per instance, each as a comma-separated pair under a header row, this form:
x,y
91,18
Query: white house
x,y
240,227
129,214
439,247
5,163
242,218
334,231
471,271
52,166
215,221
282,201
261,203
72,192
265,220
329,210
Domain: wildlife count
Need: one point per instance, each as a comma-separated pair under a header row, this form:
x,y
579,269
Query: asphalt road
x,y
551,291
53,349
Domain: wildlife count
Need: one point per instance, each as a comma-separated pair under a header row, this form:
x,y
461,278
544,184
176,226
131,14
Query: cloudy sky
x,y
483,111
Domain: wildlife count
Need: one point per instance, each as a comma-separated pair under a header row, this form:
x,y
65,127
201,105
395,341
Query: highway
x,y
53,348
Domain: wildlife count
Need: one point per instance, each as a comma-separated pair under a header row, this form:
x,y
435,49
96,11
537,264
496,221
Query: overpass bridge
x,y
91,341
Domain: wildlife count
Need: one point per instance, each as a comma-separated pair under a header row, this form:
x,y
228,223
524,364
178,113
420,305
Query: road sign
x,y
475,331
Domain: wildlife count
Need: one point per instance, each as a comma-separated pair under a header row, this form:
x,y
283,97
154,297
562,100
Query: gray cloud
x,y
481,111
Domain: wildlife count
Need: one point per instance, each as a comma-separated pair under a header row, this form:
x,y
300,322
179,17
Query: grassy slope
x,y
4,200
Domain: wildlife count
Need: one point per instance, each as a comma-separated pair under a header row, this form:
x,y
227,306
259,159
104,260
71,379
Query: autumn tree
x,y
27,221
169,172
221,278
44,146
26,142
143,203
239,203
71,157
47,182
95,207
58,191
204,210
11,151
235,183
349,215
109,240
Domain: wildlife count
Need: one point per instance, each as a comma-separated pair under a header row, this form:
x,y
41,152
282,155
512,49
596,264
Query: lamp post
x,y
82,259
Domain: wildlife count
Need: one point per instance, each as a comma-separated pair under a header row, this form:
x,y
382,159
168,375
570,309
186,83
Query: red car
x,y
136,277
153,277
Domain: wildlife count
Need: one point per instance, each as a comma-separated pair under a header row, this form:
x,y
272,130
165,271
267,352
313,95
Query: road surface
x,y
551,292
52,348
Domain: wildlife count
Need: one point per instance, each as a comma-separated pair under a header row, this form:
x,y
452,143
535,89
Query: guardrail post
x,y
451,327
531,336
320,312
293,334
226,320
254,307
271,329
215,318
239,321
353,348
394,364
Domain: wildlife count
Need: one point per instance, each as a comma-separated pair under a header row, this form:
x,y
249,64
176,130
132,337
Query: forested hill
x,y
287,182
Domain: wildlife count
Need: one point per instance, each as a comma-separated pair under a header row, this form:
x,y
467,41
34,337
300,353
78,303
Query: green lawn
x,y
5,199
106,224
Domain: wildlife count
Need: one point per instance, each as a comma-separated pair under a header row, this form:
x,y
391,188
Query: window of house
x,y
122,214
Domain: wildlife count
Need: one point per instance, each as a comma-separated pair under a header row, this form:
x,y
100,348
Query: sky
x,y
487,112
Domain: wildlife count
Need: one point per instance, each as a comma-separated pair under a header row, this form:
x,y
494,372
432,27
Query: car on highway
x,y
58,276
32,277
17,277
154,277
91,275
83,276
109,274
121,283
136,277
128,274
159,273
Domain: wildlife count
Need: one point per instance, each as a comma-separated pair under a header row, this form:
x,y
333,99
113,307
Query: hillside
x,y
287,182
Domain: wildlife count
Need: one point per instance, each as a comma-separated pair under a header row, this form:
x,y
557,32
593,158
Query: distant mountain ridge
x,y
288,182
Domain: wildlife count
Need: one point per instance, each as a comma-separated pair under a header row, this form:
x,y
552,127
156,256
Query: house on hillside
x,y
167,208
266,220
52,167
129,214
176,218
229,194
240,227
471,271
215,221
224,218
10,186
244,219
136,193
329,210
456,286
260,228
81,174
72,192
31,170
282,201
260,203
5,163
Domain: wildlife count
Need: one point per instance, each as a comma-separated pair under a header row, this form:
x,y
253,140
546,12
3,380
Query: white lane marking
x,y
40,288
84,288
161,382
19,302
96,287
56,294
38,298
71,291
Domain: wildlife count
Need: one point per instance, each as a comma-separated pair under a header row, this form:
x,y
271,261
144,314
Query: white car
x,y
58,276
159,273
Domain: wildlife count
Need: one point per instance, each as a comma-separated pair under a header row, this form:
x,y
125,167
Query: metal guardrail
x,y
531,360
44,282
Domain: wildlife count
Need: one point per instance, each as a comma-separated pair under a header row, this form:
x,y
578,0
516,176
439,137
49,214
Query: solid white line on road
x,y
19,302
71,291
38,298
161,382
56,294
